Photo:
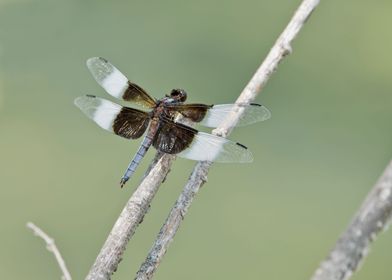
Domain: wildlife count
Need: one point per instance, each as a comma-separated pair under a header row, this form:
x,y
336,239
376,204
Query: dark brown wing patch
x,y
194,112
130,123
136,94
172,138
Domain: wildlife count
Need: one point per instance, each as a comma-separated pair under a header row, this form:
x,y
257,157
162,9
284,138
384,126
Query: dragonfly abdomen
x,y
146,144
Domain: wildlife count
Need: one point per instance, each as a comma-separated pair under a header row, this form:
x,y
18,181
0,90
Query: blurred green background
x,y
329,139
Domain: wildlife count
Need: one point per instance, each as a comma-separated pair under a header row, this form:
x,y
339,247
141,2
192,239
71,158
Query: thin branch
x,y
373,216
131,216
51,246
281,48
173,221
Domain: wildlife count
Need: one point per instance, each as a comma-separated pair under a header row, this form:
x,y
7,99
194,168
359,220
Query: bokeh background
x,y
329,139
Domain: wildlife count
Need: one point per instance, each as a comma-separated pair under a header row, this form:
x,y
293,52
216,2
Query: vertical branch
x,y
173,221
373,216
51,246
281,48
131,216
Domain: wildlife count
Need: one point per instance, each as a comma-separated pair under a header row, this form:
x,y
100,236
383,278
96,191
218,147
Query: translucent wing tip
x,y
101,111
100,68
92,61
86,104
267,113
79,101
108,76
264,113
210,147
245,155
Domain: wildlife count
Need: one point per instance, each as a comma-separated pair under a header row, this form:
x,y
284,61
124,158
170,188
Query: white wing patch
x,y
101,111
214,148
218,113
108,76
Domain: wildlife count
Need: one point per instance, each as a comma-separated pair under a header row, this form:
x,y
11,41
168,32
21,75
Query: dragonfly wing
x,y
186,142
218,113
194,112
214,148
126,122
172,138
116,84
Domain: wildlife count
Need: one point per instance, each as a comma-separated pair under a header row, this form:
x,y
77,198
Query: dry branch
x,y
51,246
373,216
131,216
281,48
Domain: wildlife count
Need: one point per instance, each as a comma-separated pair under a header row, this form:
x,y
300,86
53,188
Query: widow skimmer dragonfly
x,y
165,131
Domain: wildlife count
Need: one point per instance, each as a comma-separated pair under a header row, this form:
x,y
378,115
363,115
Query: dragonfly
x,y
165,120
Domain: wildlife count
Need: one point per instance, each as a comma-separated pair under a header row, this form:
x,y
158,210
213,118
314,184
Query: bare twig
x,y
374,215
131,216
51,246
281,48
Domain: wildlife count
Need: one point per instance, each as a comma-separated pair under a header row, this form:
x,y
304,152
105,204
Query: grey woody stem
x,y
373,216
51,246
131,216
281,48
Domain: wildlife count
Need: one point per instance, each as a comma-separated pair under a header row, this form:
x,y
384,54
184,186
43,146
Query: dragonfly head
x,y
178,95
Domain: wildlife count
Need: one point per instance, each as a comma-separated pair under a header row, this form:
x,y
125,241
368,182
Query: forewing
x,y
194,112
214,115
116,84
126,122
218,113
